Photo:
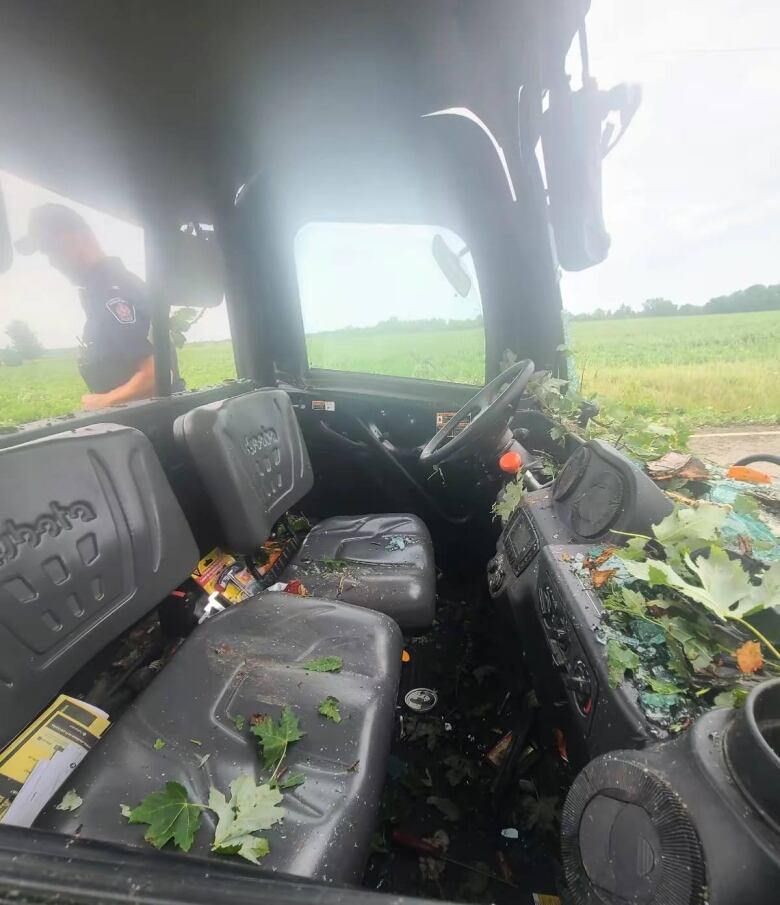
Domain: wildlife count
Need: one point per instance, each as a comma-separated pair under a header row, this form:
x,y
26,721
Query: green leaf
x,y
125,810
290,781
619,659
274,737
159,744
725,584
734,697
687,528
634,602
744,504
240,722
558,435
251,808
170,815
662,686
329,564
70,801
767,594
510,498
633,550
699,652
330,709
657,577
324,664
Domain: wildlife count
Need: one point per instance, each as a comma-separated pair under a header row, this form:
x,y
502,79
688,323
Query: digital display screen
x,y
521,542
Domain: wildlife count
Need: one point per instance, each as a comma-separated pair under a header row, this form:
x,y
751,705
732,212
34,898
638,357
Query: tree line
x,y
24,345
754,298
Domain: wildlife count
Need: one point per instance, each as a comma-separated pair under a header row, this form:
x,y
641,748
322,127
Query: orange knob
x,y
511,462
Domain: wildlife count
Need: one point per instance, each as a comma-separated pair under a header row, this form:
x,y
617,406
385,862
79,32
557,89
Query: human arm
x,y
140,386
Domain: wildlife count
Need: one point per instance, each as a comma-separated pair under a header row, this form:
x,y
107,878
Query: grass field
x,y
713,369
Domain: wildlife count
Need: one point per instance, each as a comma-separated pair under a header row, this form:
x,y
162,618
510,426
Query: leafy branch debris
x,y
324,664
330,708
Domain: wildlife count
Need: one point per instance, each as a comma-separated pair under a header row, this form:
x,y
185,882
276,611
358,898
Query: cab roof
x,y
139,107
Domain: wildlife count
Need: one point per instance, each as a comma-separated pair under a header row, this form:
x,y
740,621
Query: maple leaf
x,y
289,781
330,709
511,497
251,808
749,657
767,594
170,815
691,527
324,664
619,659
724,582
725,586
159,744
634,602
274,737
70,801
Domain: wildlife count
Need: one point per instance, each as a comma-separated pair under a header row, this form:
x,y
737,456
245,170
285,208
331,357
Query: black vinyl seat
x,y
253,462
250,660
388,565
92,538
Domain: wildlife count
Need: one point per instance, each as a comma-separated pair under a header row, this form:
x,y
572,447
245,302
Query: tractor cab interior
x,y
408,614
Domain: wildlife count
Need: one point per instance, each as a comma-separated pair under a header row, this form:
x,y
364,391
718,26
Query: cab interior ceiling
x,y
158,113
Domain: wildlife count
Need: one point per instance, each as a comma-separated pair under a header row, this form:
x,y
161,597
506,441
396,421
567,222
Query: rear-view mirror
x,y
451,265
6,246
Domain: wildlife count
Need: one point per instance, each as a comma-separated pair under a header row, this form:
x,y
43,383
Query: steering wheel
x,y
491,408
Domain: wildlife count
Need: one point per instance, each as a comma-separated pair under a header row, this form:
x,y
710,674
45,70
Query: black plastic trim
x,y
37,867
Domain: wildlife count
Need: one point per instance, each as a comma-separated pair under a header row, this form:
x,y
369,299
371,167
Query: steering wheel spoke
x,y
493,404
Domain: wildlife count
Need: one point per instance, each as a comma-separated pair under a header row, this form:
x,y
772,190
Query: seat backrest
x,y
252,459
91,539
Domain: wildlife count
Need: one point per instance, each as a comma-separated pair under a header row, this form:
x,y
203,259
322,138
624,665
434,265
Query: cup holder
x,y
752,747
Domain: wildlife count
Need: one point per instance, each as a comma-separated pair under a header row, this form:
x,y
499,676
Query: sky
x,y
691,194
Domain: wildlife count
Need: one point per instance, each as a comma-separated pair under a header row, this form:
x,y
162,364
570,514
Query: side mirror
x,y
575,140
449,263
6,246
194,272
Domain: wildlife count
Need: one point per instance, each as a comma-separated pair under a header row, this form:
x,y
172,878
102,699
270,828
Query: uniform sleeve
x,y
125,323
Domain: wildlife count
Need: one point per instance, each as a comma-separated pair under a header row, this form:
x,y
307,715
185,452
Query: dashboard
x,y
597,497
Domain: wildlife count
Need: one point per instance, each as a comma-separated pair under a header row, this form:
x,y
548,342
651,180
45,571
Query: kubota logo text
x,y
59,518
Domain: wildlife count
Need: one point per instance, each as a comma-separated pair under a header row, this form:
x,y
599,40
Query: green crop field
x,y
713,369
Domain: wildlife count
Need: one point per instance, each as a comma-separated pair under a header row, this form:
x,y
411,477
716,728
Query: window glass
x,y
206,356
60,352
390,299
42,320
200,336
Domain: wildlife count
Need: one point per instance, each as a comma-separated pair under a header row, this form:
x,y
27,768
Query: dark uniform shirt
x,y
116,333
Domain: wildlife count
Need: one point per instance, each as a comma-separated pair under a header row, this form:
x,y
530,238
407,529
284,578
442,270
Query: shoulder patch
x,y
122,310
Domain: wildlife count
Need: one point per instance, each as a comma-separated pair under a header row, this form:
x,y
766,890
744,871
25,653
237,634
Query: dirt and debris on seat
x,y
444,784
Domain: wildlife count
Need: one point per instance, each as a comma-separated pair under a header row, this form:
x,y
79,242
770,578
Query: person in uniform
x,y
117,361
